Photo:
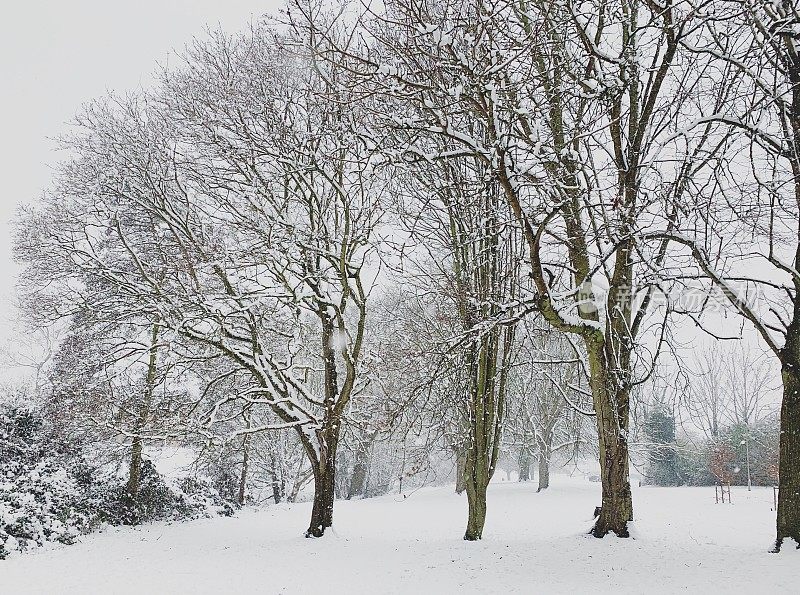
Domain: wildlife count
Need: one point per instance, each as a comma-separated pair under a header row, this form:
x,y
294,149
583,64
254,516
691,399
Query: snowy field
x,y
534,543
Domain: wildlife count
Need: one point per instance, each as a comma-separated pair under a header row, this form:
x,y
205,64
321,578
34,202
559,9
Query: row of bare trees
x,y
642,147
573,165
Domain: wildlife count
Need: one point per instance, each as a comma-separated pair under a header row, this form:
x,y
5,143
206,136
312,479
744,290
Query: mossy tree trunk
x,y
608,331
485,270
476,512
488,376
611,403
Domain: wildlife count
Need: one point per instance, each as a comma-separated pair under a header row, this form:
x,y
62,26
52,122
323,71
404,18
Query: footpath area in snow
x,y
683,542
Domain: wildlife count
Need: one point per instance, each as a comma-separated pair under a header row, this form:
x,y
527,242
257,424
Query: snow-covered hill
x,y
534,543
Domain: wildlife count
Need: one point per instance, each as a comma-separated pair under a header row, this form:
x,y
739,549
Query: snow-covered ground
x,y
534,543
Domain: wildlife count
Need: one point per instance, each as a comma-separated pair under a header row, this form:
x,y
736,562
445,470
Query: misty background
x,y
55,56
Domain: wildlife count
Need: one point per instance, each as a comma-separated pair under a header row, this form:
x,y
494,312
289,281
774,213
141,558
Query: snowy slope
x,y
535,543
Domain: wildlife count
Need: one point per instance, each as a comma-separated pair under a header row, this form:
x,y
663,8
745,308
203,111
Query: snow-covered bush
x,y
41,497
159,499
50,494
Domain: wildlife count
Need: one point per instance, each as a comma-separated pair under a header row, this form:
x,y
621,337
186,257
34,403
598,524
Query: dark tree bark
x,y
476,517
323,453
612,402
324,491
322,510
135,469
277,489
788,519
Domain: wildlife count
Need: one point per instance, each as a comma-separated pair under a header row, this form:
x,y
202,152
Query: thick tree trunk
x,y
135,468
788,519
544,470
476,519
477,481
461,469
617,506
323,457
611,403
324,496
324,468
524,465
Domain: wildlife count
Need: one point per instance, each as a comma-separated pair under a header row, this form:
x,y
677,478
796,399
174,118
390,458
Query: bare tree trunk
x,y
324,491
135,468
524,465
476,502
277,491
489,372
327,443
461,469
245,460
544,469
611,406
358,480
788,519
278,483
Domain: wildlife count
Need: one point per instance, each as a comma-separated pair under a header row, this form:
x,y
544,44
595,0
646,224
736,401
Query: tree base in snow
x,y
603,527
784,543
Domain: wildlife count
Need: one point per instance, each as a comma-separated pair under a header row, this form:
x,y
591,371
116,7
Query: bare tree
x,y
261,203
753,219
555,99
547,404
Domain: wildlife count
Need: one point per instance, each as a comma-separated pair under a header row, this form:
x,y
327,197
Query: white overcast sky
x,y
56,55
